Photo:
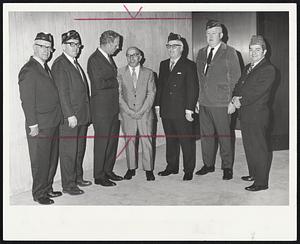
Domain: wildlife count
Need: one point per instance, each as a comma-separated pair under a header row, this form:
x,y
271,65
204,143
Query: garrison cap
x,y
44,36
213,23
258,40
72,34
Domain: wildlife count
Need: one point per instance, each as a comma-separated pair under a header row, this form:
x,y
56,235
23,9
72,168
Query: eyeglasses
x,y
73,44
48,48
133,55
173,46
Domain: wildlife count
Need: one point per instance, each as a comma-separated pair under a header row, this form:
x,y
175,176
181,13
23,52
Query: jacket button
x,y
134,104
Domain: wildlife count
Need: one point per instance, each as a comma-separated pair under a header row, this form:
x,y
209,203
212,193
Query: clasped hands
x,y
234,104
135,115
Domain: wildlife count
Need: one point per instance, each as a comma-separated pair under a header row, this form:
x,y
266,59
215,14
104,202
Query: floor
x,y
208,190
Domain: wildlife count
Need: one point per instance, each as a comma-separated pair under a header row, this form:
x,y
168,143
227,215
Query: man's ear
x,y
221,35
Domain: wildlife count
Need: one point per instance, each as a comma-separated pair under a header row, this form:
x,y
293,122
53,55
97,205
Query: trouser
x,y
215,129
105,145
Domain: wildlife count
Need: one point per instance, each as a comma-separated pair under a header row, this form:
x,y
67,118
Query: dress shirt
x,y
214,52
136,69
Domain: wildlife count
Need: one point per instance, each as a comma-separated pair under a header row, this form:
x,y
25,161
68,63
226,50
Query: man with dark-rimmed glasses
x,y
73,92
42,111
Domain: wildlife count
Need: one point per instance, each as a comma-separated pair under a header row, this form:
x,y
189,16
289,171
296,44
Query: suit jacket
x,y
104,87
72,89
223,73
255,89
39,96
139,99
177,90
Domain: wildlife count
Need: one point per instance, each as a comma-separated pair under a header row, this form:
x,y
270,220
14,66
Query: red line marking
x,y
183,18
133,17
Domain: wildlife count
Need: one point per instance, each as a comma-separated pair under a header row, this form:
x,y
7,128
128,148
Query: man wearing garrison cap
x,y
73,92
177,94
218,71
251,96
40,103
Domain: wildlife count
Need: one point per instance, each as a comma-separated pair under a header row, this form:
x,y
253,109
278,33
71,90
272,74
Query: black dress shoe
x,y
104,182
256,188
44,200
188,176
52,194
227,174
73,191
113,176
167,172
129,174
247,178
83,183
149,175
204,170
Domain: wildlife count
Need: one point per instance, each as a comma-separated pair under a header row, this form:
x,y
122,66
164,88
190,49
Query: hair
x,y
137,49
108,37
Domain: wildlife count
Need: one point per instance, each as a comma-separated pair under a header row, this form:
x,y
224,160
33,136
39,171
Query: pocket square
x,y
179,73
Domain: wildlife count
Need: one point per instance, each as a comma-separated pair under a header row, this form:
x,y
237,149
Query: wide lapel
x,y
219,53
101,56
203,59
70,64
141,78
128,82
40,68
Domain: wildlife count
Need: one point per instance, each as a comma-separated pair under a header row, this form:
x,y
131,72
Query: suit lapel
x,y
140,78
219,53
104,59
128,79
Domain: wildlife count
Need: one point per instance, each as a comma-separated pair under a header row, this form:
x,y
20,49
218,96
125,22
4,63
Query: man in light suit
x,y
177,94
40,103
105,108
137,92
218,72
74,99
251,97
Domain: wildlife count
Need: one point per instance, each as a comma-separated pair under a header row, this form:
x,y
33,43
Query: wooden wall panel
x,y
149,35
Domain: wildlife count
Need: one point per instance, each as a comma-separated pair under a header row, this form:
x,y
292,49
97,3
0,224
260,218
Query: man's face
x,y
113,46
175,49
72,47
256,53
133,57
42,49
214,36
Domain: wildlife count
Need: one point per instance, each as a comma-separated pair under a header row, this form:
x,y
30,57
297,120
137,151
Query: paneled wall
x,y
149,35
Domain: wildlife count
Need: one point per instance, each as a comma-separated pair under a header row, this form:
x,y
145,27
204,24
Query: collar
x,y
39,60
137,69
175,60
215,48
71,59
104,53
256,63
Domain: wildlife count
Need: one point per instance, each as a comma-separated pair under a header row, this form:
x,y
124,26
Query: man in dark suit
x,y
74,99
42,111
177,94
251,96
218,71
105,108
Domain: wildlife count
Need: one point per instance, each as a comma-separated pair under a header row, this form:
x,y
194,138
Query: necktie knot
x,y
172,63
250,68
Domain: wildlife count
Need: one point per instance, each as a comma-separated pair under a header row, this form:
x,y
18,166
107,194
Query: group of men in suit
x,y
58,109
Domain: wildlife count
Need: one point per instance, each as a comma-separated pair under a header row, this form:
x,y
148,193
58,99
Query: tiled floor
x,y
172,190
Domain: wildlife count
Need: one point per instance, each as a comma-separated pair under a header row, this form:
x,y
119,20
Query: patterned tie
x,y
209,58
134,77
172,63
250,68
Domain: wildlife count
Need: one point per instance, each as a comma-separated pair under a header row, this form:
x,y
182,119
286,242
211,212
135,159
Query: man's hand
x,y
34,130
197,108
231,108
157,111
72,121
138,115
236,101
189,117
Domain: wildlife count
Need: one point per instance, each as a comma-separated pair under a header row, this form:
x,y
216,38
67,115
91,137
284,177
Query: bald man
x,y
137,91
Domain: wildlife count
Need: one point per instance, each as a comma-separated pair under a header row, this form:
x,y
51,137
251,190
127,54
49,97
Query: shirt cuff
x,y
33,126
189,111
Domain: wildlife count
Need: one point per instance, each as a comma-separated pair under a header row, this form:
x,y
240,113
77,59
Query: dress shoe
x,y
149,175
73,191
227,174
204,170
44,200
129,174
113,176
167,172
83,183
52,194
247,178
104,182
256,188
188,176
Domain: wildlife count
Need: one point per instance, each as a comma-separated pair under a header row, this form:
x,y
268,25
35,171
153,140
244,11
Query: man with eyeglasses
x,y
102,72
73,92
137,92
177,94
40,103
218,72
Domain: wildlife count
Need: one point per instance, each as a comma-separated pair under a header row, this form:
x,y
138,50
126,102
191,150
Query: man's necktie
x,y
134,77
78,68
250,68
208,61
172,63
47,69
